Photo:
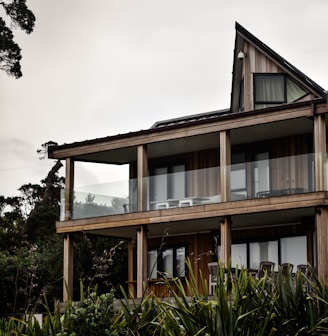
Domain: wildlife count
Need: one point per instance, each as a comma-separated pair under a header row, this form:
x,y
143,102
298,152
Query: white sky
x,y
103,67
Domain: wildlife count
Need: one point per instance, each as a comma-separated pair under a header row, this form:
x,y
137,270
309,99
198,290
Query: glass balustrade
x,y
248,180
273,177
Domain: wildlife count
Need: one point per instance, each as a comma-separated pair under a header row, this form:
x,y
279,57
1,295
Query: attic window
x,y
275,89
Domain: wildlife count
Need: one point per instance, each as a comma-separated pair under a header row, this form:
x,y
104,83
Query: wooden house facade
x,y
246,184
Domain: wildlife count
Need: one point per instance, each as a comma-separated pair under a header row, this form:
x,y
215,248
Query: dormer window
x,y
275,89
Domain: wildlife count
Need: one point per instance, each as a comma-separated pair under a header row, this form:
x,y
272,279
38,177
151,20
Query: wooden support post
x,y
68,268
68,243
142,171
69,188
141,260
320,152
225,240
131,287
321,221
225,165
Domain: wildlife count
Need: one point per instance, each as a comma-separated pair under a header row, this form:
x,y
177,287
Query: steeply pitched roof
x,y
243,35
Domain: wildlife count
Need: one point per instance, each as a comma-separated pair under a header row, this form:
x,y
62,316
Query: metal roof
x,y
190,118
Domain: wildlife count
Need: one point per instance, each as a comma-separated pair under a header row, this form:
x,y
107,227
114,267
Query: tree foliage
x,y
31,253
18,15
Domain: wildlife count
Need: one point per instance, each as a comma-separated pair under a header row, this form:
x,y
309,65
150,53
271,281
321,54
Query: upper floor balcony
x,y
179,188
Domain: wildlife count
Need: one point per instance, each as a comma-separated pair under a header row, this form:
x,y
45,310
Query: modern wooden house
x,y
247,183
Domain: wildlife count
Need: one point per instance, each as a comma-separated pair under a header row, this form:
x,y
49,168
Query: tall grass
x,y
240,305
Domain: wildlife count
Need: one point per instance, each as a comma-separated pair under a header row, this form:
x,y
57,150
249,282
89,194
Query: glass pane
x,y
159,184
238,171
293,250
263,251
238,255
261,172
238,176
177,182
168,262
152,264
269,89
294,91
181,259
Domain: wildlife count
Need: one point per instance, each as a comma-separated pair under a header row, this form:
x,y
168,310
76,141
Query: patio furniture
x,y
266,267
212,278
286,269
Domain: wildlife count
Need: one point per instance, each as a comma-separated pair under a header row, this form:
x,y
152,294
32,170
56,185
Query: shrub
x,y
93,316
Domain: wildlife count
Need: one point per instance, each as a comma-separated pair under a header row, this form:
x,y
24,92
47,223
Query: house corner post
x,y
68,268
225,240
141,260
68,241
321,223
142,172
225,165
320,152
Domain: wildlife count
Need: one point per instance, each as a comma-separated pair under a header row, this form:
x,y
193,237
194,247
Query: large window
x,y
261,172
282,250
167,183
263,251
168,262
275,89
238,174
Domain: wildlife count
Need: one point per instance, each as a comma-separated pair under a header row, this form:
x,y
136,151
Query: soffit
x,y
239,222
201,142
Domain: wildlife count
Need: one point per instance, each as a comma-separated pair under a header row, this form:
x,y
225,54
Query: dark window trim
x,y
160,258
169,167
267,102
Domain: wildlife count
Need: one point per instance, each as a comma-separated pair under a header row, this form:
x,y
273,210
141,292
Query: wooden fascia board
x,y
197,212
242,120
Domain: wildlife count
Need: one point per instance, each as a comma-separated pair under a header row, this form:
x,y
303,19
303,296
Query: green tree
x,y
18,15
28,245
31,253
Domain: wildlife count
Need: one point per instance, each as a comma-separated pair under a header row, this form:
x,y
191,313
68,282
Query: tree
x,y
21,16
31,253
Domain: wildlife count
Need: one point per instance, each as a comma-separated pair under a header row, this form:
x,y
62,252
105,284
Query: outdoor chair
x,y
266,267
286,269
212,278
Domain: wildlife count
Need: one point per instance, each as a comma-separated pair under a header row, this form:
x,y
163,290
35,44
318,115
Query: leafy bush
x,y
242,305
93,316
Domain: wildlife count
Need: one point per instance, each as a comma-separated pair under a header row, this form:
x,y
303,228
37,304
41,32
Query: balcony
x,y
248,180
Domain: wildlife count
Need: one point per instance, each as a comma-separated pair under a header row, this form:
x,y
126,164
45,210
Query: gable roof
x,y
243,35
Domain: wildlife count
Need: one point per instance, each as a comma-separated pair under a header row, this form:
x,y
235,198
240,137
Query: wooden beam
x,y
321,221
226,123
225,165
141,260
201,211
319,152
225,240
69,188
142,173
68,268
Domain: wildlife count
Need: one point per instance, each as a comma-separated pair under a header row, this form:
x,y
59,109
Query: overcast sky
x,y
103,67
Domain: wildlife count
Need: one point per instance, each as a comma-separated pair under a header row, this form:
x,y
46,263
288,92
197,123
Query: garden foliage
x,y
241,305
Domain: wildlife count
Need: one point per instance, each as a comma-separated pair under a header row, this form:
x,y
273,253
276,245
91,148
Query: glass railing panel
x,y
184,188
105,199
248,180
273,177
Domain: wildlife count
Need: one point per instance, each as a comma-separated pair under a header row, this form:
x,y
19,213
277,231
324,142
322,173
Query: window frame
x,y
269,102
160,261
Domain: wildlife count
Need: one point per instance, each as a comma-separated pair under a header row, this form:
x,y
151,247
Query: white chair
x,y
212,277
